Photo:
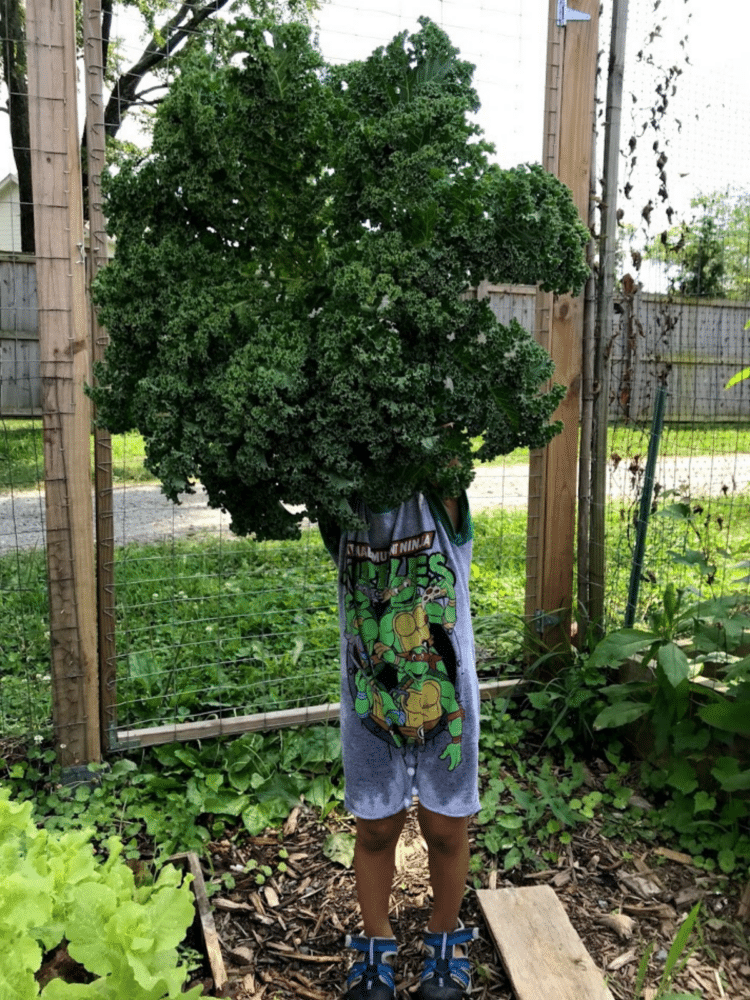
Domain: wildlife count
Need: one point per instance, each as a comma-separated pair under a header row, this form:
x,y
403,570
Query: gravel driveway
x,y
142,513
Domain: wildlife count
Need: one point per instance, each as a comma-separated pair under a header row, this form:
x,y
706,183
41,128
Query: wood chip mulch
x,y
285,939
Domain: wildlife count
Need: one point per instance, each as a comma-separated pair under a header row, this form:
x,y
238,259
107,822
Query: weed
x,y
676,960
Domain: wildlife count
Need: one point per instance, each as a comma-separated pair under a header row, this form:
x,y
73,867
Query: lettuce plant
x,y
53,889
289,304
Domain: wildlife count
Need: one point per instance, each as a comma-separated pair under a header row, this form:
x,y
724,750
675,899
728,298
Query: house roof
x,y
7,183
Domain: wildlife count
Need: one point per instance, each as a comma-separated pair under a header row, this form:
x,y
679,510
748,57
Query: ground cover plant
x,y
302,235
264,812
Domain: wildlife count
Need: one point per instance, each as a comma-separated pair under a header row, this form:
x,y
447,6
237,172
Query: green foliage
x,y
22,457
712,252
677,958
53,889
693,730
301,236
179,796
739,376
230,628
528,805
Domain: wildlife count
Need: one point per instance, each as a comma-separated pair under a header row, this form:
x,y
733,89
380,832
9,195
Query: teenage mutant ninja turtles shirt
x,y
409,690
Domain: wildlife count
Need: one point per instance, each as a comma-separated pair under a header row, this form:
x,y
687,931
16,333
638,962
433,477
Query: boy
x,y
409,724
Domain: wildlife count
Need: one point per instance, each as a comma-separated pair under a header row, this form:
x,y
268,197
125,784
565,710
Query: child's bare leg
x,y
374,865
448,853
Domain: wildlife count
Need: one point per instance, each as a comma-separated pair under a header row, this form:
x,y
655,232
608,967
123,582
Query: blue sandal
x,y
445,976
372,978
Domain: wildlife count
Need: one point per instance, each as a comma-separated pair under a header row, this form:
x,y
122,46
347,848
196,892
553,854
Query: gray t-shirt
x,y
409,690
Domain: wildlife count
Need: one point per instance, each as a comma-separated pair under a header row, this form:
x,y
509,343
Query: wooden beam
x,y
97,259
539,947
568,127
264,721
64,368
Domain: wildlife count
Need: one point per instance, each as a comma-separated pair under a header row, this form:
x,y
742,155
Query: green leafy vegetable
x,y
288,304
54,889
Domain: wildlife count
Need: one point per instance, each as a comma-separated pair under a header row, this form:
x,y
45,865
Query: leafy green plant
x,y
527,805
302,236
677,959
739,376
670,693
54,889
179,796
691,730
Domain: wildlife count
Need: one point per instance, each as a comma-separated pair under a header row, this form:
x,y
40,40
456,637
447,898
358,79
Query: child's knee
x,y
444,834
376,835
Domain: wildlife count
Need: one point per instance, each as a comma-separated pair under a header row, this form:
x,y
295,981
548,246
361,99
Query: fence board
x,y
20,386
699,345
18,302
704,348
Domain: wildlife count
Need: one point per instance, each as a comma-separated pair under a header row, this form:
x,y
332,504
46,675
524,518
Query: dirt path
x,y
142,513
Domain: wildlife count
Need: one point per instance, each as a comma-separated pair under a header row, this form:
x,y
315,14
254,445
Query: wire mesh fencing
x,y
682,305
211,627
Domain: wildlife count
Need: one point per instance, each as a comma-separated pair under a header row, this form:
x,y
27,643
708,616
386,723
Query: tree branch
x,y
176,31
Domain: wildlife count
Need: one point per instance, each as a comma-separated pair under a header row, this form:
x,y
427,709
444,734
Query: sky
x,y
506,40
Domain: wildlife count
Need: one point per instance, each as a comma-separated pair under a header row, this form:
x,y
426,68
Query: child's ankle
x,y
381,930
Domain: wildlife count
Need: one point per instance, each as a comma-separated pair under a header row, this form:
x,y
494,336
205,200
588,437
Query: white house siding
x,y
10,216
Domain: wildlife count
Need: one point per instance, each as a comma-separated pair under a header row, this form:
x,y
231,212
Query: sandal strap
x,y
442,965
373,968
461,935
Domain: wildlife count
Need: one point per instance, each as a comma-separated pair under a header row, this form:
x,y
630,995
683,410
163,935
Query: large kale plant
x,y
288,304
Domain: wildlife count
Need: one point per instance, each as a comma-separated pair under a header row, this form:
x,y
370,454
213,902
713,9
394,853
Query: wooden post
x,y
568,126
64,368
97,258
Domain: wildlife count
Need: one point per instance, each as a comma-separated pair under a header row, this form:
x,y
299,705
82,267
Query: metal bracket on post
x,y
542,621
565,14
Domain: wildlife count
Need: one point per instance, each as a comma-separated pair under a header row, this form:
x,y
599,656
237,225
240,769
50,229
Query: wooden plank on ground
x,y
539,947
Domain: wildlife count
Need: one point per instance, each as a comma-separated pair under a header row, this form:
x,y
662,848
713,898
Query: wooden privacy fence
x,y
698,344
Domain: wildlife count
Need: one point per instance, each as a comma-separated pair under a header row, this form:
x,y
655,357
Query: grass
x,y
683,440
678,441
22,461
229,625
226,626
22,457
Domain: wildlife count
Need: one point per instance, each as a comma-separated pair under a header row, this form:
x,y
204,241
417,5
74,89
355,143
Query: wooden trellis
x,y
84,689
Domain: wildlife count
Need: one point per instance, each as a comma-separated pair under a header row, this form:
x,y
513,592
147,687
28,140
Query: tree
x,y
13,34
287,305
168,36
710,256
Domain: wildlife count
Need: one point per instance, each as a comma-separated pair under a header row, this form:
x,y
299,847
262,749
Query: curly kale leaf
x,y
287,306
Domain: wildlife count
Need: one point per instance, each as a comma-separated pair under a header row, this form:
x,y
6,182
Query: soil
x,y
285,940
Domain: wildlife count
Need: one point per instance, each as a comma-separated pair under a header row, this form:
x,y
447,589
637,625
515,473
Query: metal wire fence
x,y
683,304
211,627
